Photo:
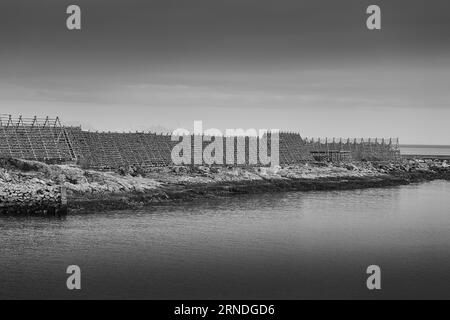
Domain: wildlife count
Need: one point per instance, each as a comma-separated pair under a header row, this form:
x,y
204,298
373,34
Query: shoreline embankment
x,y
35,187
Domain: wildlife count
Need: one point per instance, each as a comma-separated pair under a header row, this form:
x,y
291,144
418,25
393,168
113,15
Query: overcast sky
x,y
308,66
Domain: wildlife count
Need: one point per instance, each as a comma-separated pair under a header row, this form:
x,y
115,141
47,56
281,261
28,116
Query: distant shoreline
x,y
440,146
441,152
425,156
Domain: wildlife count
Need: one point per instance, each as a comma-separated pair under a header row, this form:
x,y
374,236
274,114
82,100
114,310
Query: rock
x,y
351,167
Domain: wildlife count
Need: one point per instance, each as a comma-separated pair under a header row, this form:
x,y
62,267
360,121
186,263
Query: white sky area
x,y
300,66
401,100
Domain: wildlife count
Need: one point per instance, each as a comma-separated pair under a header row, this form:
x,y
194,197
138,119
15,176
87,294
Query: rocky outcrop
x,y
34,185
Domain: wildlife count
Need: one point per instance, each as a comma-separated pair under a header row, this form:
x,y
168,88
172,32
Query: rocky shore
x,y
30,184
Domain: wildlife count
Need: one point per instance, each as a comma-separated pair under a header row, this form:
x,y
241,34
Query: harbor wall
x,y
36,198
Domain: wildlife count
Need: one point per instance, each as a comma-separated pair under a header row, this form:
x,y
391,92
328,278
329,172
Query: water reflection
x,y
282,245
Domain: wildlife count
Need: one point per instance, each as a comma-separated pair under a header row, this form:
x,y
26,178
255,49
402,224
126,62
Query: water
x,y
286,245
426,150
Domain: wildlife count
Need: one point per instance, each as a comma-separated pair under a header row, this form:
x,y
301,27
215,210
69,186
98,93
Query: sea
x,y
293,245
427,150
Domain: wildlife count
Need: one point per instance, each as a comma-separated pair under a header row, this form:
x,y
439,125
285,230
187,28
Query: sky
x,y
306,66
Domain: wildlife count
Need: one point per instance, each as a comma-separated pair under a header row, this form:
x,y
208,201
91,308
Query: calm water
x,y
425,150
287,245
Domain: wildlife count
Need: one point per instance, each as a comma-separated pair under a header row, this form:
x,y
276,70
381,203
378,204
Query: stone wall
x,y
22,198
